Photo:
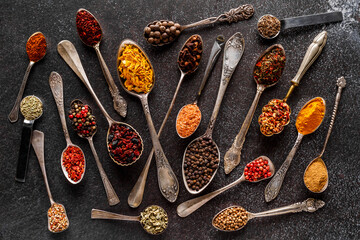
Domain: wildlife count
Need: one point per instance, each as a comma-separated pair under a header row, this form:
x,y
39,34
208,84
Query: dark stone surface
x,y
23,207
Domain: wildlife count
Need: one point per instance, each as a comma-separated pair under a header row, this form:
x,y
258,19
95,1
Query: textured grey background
x,y
23,207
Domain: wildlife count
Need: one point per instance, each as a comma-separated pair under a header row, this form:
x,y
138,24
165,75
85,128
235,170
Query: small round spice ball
x,y
162,32
231,219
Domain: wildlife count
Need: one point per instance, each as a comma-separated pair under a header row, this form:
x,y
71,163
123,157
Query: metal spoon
x,y
311,55
309,205
37,141
120,105
56,86
100,214
243,12
112,197
23,159
169,185
341,83
305,21
13,115
273,187
234,49
190,206
68,52
233,155
214,55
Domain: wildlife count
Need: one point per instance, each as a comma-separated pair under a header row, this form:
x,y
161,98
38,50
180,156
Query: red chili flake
x,y
74,161
257,170
88,28
276,114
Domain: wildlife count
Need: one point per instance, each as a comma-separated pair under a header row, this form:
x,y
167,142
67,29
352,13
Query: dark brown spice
x,y
269,26
190,54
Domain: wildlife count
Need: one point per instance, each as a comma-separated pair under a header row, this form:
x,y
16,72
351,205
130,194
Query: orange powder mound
x,y
188,120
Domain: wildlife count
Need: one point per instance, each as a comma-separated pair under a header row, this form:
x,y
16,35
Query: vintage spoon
x,y
190,206
304,21
37,142
56,85
68,52
23,159
168,184
309,205
311,55
159,33
233,51
214,55
233,155
112,197
273,187
13,115
100,214
341,83
120,105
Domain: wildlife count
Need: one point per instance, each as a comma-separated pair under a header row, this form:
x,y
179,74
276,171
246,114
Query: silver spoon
x,y
233,155
23,159
68,52
13,115
120,105
273,187
341,83
56,86
190,206
233,51
112,197
214,55
37,141
169,185
309,205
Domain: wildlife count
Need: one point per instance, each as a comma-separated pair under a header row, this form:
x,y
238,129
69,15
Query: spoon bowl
x,y
36,33
66,174
197,126
66,218
263,36
97,23
305,105
223,210
78,101
327,175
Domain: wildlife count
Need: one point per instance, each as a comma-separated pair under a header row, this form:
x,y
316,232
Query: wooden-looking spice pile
x,y
31,107
268,26
36,47
275,115
161,32
190,54
316,176
154,219
231,219
57,218
188,120
310,116
88,28
74,162
82,120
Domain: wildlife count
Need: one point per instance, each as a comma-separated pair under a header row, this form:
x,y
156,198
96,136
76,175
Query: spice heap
x,y
188,120
74,162
31,107
88,28
231,219
161,32
154,219
57,218
124,144
310,116
275,115
190,54
270,67
268,26
135,68
257,170
82,120
36,47
201,162
316,176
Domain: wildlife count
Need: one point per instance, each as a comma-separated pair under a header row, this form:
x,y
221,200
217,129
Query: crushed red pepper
x,y
74,162
88,28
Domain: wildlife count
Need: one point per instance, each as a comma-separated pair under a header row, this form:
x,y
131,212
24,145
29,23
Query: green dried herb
x,y
154,219
31,107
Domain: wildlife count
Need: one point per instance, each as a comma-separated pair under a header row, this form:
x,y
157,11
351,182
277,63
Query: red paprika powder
x,y
74,161
36,47
88,28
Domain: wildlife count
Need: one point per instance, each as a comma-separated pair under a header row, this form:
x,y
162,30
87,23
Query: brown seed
x,y
177,26
162,28
157,34
147,30
177,33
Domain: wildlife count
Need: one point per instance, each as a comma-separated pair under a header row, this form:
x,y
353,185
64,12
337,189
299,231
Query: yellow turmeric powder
x,y
310,116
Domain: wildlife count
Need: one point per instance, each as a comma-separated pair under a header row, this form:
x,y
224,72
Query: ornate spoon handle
x,y
100,214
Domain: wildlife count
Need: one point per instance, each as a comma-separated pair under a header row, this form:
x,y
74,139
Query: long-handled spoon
x,y
162,32
190,206
169,185
341,83
273,187
309,205
214,55
13,115
37,142
233,51
233,155
27,129
112,197
68,52
311,55
56,85
120,105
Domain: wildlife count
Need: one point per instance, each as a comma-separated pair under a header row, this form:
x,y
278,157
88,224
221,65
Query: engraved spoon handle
x,y
56,86
100,214
112,197
37,142
14,114
273,187
120,104
233,155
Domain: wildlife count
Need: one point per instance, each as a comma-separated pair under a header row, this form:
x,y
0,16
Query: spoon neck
x,y
100,214
291,89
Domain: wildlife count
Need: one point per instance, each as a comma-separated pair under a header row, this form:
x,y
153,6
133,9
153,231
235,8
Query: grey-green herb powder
x,y
154,219
31,107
